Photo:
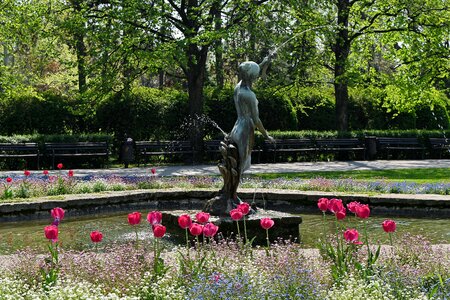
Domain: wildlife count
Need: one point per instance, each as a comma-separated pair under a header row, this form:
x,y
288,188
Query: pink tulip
x,y
184,221
134,218
27,173
153,170
210,230
335,205
154,217
244,207
340,215
352,206
57,213
389,226
196,229
9,179
351,236
59,166
202,217
236,214
70,173
51,232
45,172
96,236
362,211
323,204
267,223
159,230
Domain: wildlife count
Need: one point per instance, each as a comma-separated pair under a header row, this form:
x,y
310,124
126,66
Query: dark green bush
x,y
276,110
315,108
144,113
27,113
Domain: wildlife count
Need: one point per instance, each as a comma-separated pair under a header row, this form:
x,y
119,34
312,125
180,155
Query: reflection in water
x,y
74,232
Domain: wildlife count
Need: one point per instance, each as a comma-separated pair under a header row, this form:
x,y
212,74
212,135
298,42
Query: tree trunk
x,y
196,76
341,51
80,48
218,47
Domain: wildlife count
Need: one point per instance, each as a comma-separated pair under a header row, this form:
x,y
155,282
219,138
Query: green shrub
x,y
27,113
315,108
144,113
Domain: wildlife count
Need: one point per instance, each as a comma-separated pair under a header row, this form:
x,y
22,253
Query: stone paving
x,y
192,170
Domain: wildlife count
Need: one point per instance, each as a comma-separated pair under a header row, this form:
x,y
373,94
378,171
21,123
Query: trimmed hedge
x,y
149,113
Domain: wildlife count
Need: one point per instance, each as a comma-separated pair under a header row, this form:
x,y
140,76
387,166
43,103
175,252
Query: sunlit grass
x,y
422,176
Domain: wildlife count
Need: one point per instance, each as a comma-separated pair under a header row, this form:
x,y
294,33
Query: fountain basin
x,y
423,205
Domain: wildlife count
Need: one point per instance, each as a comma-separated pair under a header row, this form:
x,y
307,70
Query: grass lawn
x,y
433,175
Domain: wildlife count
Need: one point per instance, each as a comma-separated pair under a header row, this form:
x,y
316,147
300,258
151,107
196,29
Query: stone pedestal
x,y
286,226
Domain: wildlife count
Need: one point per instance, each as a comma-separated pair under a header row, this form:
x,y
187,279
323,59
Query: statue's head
x,y
249,70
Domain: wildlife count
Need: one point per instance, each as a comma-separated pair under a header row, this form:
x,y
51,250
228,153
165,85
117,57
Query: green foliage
x,y
28,113
315,108
145,113
276,110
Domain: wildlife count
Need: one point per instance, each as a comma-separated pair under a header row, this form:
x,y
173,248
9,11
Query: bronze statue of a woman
x,y
237,146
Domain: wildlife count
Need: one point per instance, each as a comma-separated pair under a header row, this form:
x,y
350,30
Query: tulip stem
x,y
245,231
187,242
137,237
238,232
268,241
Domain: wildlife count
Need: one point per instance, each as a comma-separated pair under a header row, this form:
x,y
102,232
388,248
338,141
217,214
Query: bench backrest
x,y
289,144
439,141
163,145
398,141
79,146
22,147
339,142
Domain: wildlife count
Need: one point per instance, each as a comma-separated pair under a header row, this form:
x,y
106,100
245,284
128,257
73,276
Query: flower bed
x,y
347,266
64,182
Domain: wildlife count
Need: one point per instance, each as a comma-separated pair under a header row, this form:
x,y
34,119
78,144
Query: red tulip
x,y
335,205
244,207
45,172
27,173
389,226
159,230
70,173
352,206
340,215
202,217
96,236
59,166
196,229
362,211
9,179
236,214
210,230
153,170
57,213
185,221
51,232
267,223
134,218
351,236
323,204
154,217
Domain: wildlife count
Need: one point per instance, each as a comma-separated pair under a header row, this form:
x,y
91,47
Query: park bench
x,y
213,153
76,150
341,146
20,150
286,149
399,145
163,150
439,145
